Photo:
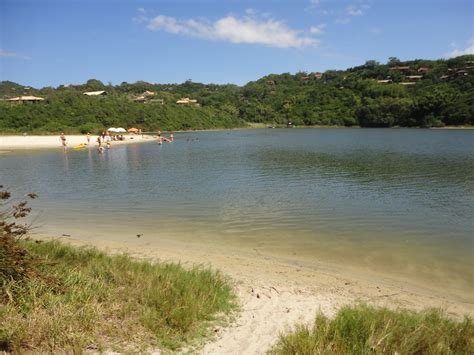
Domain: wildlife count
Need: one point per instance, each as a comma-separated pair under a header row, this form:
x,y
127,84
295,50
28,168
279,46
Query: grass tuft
x,y
363,329
102,302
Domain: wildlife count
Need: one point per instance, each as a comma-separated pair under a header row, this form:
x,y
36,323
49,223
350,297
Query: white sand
x,y
274,295
42,142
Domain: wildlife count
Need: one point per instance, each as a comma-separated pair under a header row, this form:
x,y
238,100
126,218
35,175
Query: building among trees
x,y
186,101
96,93
25,99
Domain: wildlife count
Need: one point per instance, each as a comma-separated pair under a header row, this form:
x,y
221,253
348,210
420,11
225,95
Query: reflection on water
x,y
399,201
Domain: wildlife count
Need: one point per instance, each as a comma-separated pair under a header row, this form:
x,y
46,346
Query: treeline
x,y
418,93
72,112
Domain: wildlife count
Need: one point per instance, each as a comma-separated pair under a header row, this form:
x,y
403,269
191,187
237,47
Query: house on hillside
x,y
145,100
187,101
22,99
402,69
385,81
96,93
146,96
318,75
423,70
462,72
148,93
414,77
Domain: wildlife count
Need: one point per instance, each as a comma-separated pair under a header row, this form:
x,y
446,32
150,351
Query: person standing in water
x,y
160,139
88,135
62,138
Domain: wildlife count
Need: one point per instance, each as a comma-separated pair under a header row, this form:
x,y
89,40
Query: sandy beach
x,y
8,143
275,295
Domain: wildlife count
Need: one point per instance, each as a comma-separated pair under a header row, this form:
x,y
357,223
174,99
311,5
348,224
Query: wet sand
x,y
276,295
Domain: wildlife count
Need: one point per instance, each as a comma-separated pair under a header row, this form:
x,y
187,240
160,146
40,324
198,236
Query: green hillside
x,y
417,93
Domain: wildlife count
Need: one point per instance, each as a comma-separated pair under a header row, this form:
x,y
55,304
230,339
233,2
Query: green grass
x,y
364,329
91,300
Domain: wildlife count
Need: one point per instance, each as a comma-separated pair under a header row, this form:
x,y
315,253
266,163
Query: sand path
x,y
274,295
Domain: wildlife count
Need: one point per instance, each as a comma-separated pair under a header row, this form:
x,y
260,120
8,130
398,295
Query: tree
x,y
371,63
94,85
392,61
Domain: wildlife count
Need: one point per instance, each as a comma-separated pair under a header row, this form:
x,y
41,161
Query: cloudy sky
x,y
53,42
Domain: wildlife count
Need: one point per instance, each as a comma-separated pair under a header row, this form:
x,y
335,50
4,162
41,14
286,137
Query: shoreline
x,y
15,143
30,142
44,139
275,295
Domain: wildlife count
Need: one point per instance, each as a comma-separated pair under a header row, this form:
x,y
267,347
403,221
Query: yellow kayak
x,y
80,146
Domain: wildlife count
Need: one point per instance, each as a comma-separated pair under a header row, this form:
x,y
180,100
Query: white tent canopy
x,y
117,130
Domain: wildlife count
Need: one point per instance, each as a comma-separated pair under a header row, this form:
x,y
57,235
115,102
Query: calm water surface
x,y
395,201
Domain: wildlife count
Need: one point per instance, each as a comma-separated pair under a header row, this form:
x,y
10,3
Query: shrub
x,y
364,329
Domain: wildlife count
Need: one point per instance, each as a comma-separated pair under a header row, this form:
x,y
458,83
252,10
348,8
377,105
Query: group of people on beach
x,y
106,138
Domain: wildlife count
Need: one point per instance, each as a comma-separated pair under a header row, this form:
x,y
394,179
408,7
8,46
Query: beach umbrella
x,y
120,130
133,130
112,129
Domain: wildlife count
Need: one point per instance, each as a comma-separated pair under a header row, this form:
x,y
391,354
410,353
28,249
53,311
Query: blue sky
x,y
54,42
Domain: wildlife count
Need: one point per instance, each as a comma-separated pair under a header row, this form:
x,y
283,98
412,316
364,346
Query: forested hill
x,y
420,93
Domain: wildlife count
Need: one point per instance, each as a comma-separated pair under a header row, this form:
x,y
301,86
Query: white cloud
x,y
468,50
313,4
318,29
167,24
141,16
351,10
248,30
4,53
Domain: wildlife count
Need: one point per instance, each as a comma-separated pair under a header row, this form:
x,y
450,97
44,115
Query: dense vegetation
x,y
418,93
56,298
367,330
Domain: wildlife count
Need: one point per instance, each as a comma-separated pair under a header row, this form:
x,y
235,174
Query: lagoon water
x,y
395,202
